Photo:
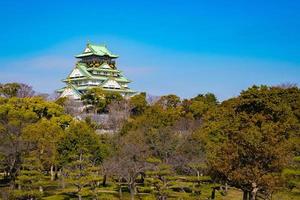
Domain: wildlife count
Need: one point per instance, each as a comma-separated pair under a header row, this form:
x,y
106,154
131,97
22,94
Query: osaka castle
x,y
96,67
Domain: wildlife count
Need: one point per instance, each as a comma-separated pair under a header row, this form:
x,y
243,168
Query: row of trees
x,y
250,142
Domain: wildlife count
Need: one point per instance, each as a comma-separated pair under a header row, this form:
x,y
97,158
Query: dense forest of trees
x,y
197,147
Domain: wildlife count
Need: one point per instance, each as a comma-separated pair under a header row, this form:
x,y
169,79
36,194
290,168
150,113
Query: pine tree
x,y
30,180
81,173
291,175
160,178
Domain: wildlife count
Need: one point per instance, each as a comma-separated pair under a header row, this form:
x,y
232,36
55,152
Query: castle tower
x,y
96,68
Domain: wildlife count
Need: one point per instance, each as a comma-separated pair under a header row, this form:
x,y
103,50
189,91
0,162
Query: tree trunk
x,y
226,187
250,196
198,178
120,191
132,188
56,172
52,173
63,185
143,178
245,195
104,181
254,191
41,189
79,197
213,194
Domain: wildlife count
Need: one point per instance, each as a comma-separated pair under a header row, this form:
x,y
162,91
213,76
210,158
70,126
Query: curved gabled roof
x,y
98,50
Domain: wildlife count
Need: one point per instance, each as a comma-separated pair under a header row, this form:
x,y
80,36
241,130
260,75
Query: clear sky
x,y
182,47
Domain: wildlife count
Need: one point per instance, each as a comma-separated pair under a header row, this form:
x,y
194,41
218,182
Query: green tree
x,y
30,179
79,136
80,155
248,140
291,175
9,90
156,127
61,101
15,115
160,178
81,172
112,96
100,99
199,105
138,104
43,137
96,98
208,98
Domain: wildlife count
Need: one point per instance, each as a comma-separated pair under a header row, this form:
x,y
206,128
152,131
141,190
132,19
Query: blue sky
x,y
182,47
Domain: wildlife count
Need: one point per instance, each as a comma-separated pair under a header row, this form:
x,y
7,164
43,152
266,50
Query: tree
x,y
169,101
81,172
162,143
138,104
30,179
71,106
291,175
80,155
13,118
161,181
15,115
129,162
100,99
96,98
118,113
20,90
43,137
208,98
291,96
112,97
25,91
190,157
248,140
80,136
9,90
199,105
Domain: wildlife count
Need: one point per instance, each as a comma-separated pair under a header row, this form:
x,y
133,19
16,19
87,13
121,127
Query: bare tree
x,y
152,99
287,85
118,113
186,126
129,163
45,96
54,96
73,107
25,91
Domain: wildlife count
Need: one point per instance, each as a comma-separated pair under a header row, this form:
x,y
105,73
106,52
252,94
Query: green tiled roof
x,y
73,87
79,88
122,79
83,69
60,90
85,87
98,50
102,69
95,77
119,79
88,75
120,90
